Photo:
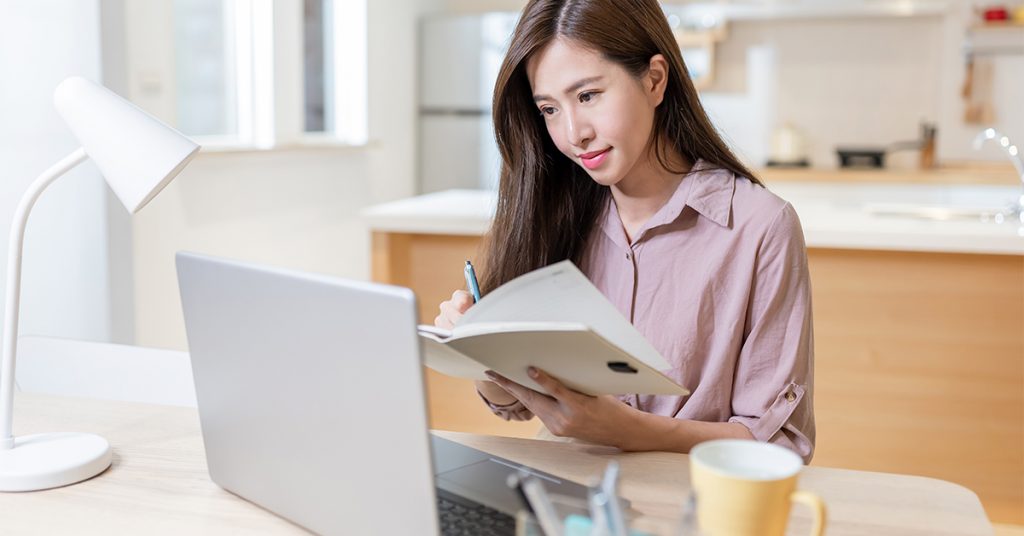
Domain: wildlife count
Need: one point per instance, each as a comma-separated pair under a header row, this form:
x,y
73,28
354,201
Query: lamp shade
x,y
136,153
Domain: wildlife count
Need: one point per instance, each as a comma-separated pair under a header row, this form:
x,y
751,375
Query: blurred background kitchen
x,y
321,118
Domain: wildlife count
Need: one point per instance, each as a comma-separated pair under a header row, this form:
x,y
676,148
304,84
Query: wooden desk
x,y
158,482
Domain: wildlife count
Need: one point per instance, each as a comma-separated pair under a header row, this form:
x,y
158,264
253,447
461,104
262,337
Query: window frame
x,y
269,84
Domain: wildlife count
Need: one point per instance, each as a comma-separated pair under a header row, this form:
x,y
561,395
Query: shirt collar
x,y
711,194
706,190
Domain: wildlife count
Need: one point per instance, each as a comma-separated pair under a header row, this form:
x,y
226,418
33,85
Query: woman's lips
x,y
595,159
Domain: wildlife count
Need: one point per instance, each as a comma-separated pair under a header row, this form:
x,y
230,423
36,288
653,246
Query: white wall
x,y
862,82
66,287
858,81
119,221
295,208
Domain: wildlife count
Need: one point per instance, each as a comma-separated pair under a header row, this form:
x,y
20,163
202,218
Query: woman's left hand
x,y
566,413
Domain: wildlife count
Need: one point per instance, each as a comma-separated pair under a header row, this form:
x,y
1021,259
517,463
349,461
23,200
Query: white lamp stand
x,y
138,156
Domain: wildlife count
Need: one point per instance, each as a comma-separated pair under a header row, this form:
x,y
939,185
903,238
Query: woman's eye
x,y
547,110
586,96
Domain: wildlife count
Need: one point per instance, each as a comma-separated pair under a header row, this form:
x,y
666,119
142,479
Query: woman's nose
x,y
579,130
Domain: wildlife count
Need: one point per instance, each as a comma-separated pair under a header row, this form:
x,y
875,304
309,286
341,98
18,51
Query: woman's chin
x,y
604,178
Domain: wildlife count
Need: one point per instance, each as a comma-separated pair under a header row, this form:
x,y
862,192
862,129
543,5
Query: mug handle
x,y
816,504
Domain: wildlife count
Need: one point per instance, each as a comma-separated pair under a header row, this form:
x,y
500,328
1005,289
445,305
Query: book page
x,y
434,332
446,360
561,293
473,329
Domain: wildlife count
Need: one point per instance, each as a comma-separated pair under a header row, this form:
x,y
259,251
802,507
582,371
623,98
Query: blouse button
x,y
629,256
790,396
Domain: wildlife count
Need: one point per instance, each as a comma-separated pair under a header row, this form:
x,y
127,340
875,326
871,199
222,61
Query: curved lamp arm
x,y
17,239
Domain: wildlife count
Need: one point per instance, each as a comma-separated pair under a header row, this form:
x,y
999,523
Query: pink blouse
x,y
717,281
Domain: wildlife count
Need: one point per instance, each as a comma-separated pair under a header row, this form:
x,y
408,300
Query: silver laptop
x,y
311,400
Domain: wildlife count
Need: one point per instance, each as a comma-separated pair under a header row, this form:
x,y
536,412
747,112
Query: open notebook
x,y
556,320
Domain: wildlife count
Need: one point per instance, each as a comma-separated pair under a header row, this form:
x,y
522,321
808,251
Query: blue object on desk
x,y
577,525
471,283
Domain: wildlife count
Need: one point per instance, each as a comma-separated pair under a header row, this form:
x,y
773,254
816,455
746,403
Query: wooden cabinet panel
x,y
919,368
431,265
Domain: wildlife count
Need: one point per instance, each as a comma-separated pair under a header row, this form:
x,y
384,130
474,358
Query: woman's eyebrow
x,y
572,88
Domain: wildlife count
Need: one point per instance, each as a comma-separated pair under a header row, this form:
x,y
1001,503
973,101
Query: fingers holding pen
x,y
450,311
461,301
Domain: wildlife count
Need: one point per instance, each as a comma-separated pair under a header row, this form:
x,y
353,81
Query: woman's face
x,y
598,115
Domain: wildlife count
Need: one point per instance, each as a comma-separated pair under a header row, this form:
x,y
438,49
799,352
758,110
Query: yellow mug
x,y
746,488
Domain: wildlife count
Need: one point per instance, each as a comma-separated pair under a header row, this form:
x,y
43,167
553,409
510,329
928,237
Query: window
x,y
259,73
334,54
316,48
205,80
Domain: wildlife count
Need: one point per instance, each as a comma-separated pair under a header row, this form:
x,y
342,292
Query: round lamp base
x,y
43,461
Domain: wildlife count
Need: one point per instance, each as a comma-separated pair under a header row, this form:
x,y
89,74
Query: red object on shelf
x,y
996,13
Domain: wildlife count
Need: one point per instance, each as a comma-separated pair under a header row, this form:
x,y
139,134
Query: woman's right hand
x,y
450,313
453,309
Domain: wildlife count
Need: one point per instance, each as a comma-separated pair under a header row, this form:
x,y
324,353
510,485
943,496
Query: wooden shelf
x,y
995,39
998,25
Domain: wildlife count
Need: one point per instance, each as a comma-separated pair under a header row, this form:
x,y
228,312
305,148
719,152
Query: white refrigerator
x,y
459,60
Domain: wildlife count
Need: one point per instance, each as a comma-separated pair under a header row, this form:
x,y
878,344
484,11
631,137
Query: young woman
x,y
609,160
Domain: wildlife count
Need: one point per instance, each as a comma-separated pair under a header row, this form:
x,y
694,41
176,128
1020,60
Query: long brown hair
x,y
547,205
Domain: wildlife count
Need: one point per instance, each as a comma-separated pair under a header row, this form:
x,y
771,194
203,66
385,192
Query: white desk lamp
x,y
138,155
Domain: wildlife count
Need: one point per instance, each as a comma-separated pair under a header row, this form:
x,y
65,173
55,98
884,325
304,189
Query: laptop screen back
x,y
311,395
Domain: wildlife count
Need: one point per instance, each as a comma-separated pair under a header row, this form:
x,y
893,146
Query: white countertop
x,y
834,215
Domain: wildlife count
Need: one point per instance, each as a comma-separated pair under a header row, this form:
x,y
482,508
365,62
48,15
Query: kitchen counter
x,y
949,173
834,215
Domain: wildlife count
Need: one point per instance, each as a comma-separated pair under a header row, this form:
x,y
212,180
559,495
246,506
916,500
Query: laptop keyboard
x,y
460,516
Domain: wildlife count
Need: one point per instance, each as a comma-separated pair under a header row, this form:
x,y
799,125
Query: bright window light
x,y
206,81
226,53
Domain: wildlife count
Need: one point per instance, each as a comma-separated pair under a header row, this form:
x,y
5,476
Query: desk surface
x,y
158,481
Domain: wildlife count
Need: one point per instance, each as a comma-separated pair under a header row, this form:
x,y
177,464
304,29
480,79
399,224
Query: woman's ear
x,y
656,79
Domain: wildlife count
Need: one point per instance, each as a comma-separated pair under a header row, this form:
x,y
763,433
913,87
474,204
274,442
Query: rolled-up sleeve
x,y
773,390
515,411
